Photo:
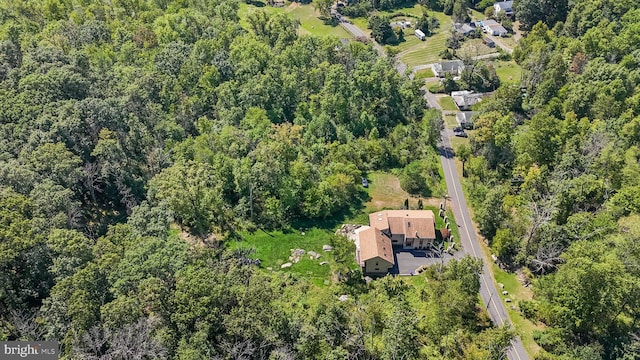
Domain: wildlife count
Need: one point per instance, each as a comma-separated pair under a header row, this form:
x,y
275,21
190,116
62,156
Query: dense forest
x,y
128,124
554,175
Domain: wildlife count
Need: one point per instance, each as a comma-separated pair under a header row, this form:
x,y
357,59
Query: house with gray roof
x,y
505,7
466,99
454,68
465,119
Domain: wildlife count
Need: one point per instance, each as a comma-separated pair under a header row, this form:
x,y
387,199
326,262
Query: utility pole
x,y
489,302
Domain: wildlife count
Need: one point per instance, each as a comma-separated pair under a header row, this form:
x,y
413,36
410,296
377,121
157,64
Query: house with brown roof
x,y
374,252
411,229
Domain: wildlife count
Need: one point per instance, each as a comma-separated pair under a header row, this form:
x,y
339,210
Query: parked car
x,y
365,183
458,131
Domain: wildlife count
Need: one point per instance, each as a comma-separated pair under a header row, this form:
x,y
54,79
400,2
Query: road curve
x,y
471,245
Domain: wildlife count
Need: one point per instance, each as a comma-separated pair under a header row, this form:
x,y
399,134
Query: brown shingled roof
x,y
373,243
410,223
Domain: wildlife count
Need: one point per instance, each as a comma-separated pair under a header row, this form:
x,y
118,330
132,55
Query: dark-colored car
x,y
365,183
458,131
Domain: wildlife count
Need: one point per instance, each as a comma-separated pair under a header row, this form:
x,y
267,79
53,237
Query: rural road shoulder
x,y
468,239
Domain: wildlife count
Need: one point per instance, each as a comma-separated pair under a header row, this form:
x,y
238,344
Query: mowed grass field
x,y
418,52
310,22
508,71
413,51
447,103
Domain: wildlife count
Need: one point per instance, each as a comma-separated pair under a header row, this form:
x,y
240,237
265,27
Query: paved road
x,y
471,245
468,240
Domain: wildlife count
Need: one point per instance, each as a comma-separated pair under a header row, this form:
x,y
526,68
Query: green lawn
x,y
385,192
413,11
450,121
310,22
274,248
456,141
424,73
517,292
447,103
425,52
474,47
476,15
508,72
509,41
413,51
362,24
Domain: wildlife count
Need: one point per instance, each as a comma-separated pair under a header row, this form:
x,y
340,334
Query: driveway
x,y
407,261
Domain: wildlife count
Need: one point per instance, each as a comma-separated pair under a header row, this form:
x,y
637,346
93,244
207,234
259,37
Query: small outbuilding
x,y
487,41
420,35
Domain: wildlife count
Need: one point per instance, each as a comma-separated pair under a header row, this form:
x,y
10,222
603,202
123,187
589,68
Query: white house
x,y
492,27
420,35
505,7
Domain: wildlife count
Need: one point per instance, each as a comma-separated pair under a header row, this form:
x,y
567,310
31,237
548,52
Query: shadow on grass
x,y
256,3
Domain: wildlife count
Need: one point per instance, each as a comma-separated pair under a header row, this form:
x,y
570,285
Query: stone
x,y
505,293
312,254
501,285
269,268
285,265
343,297
507,300
324,263
327,247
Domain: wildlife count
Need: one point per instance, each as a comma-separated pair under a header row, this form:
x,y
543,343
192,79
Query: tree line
x,y
553,175
131,128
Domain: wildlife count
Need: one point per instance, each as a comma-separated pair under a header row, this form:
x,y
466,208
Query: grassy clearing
x,y
509,41
508,71
424,74
450,121
273,249
476,15
362,24
474,47
447,103
386,193
456,141
517,292
310,22
425,52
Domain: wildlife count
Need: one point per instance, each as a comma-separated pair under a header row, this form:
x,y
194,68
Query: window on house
x,y
376,269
